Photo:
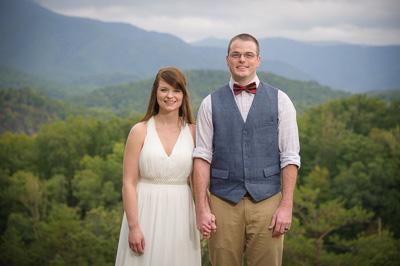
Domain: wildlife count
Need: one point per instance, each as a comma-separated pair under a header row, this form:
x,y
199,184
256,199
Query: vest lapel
x,y
230,103
256,105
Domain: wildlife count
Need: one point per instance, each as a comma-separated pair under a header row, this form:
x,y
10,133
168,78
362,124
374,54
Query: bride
x,y
159,224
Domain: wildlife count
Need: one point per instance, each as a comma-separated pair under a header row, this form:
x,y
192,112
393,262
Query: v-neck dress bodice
x,y
165,205
154,163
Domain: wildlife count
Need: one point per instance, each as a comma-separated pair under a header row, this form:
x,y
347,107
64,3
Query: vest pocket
x,y
272,170
218,173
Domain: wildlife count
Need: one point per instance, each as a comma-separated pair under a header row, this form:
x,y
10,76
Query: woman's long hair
x,y
176,79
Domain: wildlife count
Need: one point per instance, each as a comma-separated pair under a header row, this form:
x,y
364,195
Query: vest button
x,y
247,182
245,144
244,132
246,169
246,157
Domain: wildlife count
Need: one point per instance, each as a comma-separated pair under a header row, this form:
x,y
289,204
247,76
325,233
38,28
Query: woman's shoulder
x,y
139,130
192,128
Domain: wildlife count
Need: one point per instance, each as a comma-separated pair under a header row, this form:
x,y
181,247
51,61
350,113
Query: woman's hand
x,y
136,240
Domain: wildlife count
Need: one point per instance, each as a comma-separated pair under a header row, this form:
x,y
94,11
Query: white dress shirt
x,y
288,135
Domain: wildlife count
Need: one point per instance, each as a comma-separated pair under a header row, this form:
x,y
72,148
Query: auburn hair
x,y
176,79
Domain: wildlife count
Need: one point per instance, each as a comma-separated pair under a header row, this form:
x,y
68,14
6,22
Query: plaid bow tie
x,y
251,88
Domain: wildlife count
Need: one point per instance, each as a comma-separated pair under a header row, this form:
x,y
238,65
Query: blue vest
x,y
245,155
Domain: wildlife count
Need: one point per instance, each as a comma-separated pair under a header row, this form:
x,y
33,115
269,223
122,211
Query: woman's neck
x,y
170,119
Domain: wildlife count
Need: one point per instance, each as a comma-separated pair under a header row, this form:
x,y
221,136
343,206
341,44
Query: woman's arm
x,y
192,128
133,147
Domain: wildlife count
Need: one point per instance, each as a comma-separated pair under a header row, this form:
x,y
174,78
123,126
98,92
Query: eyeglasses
x,y
249,55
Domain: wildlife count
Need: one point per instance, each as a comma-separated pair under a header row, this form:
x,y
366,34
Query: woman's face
x,y
169,99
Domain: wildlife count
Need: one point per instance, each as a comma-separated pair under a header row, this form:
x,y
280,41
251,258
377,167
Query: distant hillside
x,y
24,110
387,95
87,52
14,79
135,96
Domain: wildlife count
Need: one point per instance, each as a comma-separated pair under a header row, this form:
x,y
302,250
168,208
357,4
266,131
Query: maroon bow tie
x,y
251,88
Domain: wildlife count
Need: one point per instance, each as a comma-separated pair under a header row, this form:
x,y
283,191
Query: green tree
x,y
62,239
20,233
57,190
56,151
29,195
87,189
357,141
15,152
99,183
106,225
376,249
318,220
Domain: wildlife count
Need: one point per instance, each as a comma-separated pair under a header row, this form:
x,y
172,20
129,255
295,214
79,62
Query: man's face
x,y
243,61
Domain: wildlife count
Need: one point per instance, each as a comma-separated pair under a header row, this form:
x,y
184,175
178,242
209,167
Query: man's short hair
x,y
244,37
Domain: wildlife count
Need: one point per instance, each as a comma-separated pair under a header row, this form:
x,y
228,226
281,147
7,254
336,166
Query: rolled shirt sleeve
x,y
204,131
288,133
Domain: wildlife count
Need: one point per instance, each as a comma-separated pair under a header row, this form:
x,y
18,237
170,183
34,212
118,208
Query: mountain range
x,y
86,52
24,110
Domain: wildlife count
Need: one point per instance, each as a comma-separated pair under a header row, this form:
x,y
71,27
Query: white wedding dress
x,y
165,205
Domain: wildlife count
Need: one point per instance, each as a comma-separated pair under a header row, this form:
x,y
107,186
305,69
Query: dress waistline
x,y
163,181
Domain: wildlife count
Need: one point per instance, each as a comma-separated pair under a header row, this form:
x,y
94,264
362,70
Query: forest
x,y
61,178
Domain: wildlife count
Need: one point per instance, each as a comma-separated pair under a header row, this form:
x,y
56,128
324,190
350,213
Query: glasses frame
x,y
237,56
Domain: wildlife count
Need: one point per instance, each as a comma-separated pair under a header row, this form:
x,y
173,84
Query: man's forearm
x,y
289,177
201,176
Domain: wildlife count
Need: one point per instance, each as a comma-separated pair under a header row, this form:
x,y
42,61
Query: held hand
x,y
281,221
205,223
136,240
208,228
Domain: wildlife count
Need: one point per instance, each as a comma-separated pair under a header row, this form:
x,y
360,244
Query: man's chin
x,y
242,75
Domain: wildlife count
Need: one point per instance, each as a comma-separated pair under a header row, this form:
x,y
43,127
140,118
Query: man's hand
x,y
281,221
282,218
205,222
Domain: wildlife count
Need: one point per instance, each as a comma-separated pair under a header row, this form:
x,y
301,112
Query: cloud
x,y
352,21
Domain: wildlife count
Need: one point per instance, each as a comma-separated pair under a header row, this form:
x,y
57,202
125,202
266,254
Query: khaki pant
x,y
243,227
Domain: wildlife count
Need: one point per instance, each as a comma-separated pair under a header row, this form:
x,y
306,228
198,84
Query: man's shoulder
x,y
267,86
222,88
280,94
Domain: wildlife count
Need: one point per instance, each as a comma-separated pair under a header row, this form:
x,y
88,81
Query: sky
x,y
367,22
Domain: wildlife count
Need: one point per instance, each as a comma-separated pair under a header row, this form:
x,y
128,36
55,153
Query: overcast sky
x,y
371,22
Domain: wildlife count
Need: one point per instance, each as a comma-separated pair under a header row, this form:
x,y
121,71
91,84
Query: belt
x,y
247,195
163,181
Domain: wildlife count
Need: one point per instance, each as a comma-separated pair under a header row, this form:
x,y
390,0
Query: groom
x,y
246,136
